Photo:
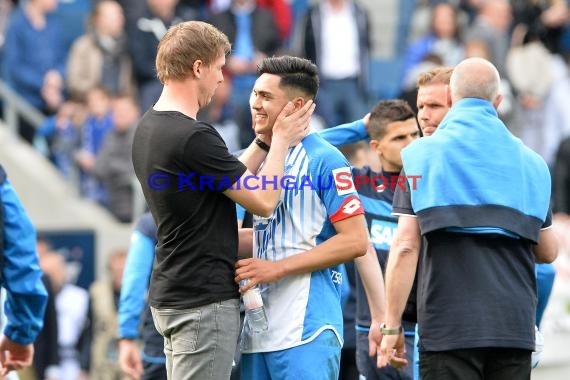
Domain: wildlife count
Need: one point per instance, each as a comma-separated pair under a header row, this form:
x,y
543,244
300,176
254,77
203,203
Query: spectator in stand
x,y
113,165
101,350
549,16
71,302
73,16
98,124
100,58
62,133
34,58
6,9
328,25
443,40
143,44
282,12
492,25
542,84
46,354
561,188
253,33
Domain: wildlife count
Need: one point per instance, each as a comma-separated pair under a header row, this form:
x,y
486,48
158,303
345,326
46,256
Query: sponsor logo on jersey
x,y
382,233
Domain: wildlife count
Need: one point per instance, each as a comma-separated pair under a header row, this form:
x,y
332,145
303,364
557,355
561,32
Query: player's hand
x,y
292,126
130,359
393,351
257,271
374,339
14,356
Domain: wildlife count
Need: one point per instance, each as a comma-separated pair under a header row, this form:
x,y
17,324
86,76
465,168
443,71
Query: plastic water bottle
x,y
538,347
254,309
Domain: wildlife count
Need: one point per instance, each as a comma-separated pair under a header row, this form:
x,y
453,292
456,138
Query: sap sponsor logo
x,y
382,233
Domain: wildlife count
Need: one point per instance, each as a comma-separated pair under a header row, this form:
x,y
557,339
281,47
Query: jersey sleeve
x,y
22,277
337,190
240,212
548,221
147,226
349,133
210,160
402,204
136,275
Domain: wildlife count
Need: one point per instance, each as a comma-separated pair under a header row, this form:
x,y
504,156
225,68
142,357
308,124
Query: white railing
x,y
15,107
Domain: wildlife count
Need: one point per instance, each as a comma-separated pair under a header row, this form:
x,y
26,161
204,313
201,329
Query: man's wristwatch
x,y
261,144
386,331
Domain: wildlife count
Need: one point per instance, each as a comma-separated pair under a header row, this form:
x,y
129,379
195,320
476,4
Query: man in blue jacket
x,y
21,276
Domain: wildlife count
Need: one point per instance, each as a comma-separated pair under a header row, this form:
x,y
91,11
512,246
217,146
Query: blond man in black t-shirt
x,y
190,182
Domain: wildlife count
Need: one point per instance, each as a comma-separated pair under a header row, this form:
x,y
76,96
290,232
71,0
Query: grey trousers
x,y
199,343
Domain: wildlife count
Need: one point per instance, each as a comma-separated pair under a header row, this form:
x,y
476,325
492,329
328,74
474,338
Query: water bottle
x,y
254,309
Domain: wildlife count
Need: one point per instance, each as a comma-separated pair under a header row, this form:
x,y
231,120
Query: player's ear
x,y
497,101
374,144
197,68
298,102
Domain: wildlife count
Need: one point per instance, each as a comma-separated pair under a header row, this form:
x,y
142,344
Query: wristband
x,y
261,144
386,331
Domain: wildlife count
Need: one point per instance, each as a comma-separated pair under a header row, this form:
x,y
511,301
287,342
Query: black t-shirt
x,y
184,167
474,290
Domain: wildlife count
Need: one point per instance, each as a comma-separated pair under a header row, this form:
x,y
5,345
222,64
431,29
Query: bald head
x,y
474,78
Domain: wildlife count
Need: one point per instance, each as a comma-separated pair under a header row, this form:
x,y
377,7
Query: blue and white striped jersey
x,y
300,307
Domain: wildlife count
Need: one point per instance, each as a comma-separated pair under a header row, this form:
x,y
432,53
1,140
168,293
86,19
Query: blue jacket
x,y
30,53
21,274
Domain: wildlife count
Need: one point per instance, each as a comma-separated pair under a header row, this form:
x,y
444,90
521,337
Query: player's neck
x,y
179,97
391,169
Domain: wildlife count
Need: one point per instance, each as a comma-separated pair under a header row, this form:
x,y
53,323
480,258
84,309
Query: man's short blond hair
x,y
185,43
438,75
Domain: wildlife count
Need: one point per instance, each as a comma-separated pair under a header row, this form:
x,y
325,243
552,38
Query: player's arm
x,y
245,247
373,281
351,241
260,193
26,295
347,133
546,250
138,268
400,273
401,268
245,235
136,275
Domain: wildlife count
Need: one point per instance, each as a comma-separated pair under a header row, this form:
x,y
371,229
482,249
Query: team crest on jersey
x,y
382,234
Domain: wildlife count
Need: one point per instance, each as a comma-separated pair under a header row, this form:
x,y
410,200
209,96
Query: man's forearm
x,y
245,247
371,275
347,244
400,273
253,157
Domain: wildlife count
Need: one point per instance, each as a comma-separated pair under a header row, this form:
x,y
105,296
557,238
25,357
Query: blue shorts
x,y
316,360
